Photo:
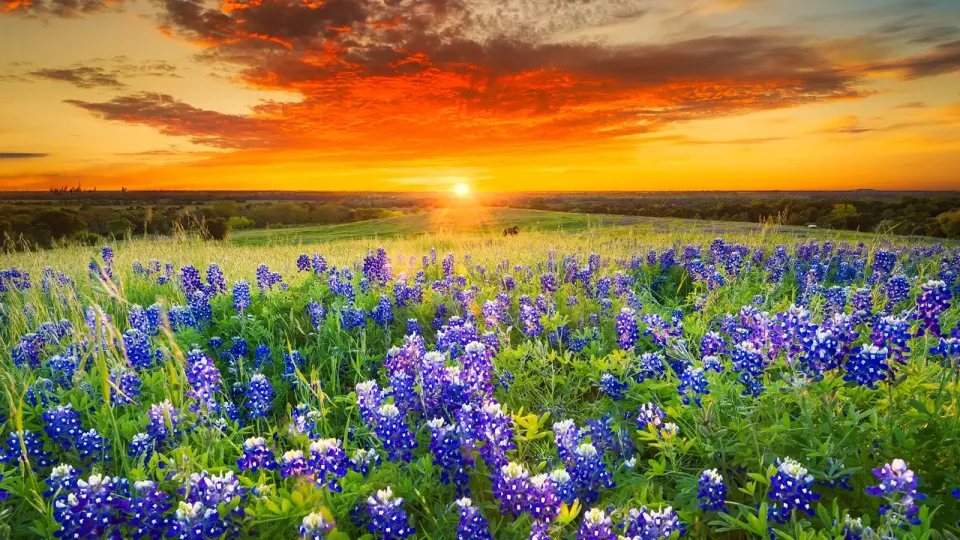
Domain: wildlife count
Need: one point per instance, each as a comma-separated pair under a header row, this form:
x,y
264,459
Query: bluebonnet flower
x,y
933,300
748,362
41,393
200,310
256,455
853,529
369,399
124,386
63,478
477,369
490,425
204,379
544,503
413,327
791,488
142,445
650,366
693,384
511,486
362,459
589,472
27,351
35,455
898,486
328,462
294,463
352,318
472,525
711,491
822,352
376,267
627,330
147,512
567,436
190,280
303,262
712,344
318,263
238,348
388,519
317,314
883,261
893,333
530,319
391,428
897,290
62,369
659,330
445,445
382,314
267,279
596,526
563,486
215,281
867,367
611,387
92,445
164,421
261,356
292,361
646,524
198,516
106,253
62,425
92,510
259,394
241,296
649,415
314,525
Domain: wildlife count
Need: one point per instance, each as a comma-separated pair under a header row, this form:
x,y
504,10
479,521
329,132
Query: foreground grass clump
x,y
593,385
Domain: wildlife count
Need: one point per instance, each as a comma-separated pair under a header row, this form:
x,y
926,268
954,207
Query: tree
x,y
950,223
59,223
238,223
225,209
217,228
119,227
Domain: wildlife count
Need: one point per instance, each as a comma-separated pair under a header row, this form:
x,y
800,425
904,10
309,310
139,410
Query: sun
x,y
462,190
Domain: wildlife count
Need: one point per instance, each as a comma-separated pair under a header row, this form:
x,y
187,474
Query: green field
x,y
494,220
478,220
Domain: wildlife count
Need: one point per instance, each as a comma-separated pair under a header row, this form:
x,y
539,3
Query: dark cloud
x,y
21,155
944,58
173,117
82,77
57,8
480,73
92,76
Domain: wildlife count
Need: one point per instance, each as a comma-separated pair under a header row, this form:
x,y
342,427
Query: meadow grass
x,y
838,430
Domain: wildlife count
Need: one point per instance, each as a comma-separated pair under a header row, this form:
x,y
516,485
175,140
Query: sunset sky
x,y
496,94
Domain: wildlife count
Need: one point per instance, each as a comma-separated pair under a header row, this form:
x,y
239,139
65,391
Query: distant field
x,y
481,220
494,220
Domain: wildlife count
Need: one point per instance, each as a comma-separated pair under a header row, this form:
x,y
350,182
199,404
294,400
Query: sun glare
x,y
461,190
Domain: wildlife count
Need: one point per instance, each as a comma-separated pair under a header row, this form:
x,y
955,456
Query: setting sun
x,y
461,190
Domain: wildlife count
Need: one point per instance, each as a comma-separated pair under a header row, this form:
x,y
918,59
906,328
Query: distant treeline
x,y
25,224
43,219
935,215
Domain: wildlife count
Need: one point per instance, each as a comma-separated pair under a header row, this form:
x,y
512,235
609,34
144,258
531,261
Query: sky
x,y
498,95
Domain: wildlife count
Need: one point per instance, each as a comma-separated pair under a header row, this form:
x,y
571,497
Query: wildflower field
x,y
604,384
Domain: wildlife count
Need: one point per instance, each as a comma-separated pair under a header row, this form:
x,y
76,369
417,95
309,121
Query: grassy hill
x,y
493,220
479,220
